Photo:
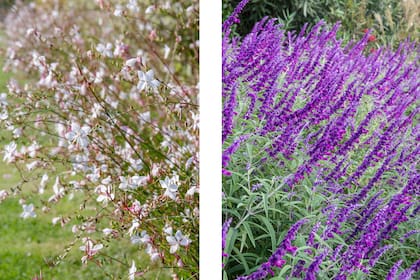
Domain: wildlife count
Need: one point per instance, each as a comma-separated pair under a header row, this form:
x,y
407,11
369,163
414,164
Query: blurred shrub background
x,y
390,20
4,6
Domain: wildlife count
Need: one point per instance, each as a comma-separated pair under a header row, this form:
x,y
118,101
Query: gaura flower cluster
x,y
103,110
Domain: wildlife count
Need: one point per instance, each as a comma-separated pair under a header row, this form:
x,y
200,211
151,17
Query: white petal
x,y
155,83
171,240
170,194
173,188
141,75
141,85
174,248
149,75
185,242
97,247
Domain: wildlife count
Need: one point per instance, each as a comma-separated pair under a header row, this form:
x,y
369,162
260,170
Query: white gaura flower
x,y
58,191
28,211
118,11
150,9
43,183
147,80
166,51
105,194
89,249
135,225
178,240
96,111
132,62
144,238
132,271
17,132
137,165
32,149
139,181
3,195
135,208
107,231
132,6
191,191
153,252
167,229
3,99
99,76
105,50
133,182
195,121
144,118
78,135
55,220
124,185
171,186
30,166
10,152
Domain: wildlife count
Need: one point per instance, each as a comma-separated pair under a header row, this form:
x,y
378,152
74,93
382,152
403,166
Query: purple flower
x,y
408,273
311,237
225,230
378,254
393,271
408,234
256,187
314,266
276,259
233,18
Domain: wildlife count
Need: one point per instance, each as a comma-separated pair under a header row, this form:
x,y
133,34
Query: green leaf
x,y
265,203
249,233
242,259
271,231
225,276
230,242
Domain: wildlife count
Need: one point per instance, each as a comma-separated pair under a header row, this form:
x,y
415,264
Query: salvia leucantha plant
x,y
320,155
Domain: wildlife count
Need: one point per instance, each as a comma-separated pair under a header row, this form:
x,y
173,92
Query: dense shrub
x,y
320,155
103,107
391,20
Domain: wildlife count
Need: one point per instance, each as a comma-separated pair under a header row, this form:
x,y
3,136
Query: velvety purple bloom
x,y
336,252
378,254
408,273
311,237
408,234
233,18
226,155
393,272
226,173
298,269
225,230
229,113
314,266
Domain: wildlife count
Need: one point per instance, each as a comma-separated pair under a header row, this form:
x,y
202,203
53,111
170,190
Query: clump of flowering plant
x,y
102,108
329,134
